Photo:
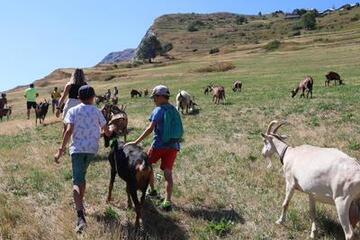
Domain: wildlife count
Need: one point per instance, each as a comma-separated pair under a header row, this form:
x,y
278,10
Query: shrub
x,y
220,228
217,67
355,18
273,45
309,20
296,33
110,214
240,20
194,26
297,26
214,50
167,47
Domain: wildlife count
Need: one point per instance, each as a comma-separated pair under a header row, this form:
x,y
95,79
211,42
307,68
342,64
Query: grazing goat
x,y
146,92
117,120
184,101
41,111
327,175
218,93
332,76
131,164
99,99
305,85
114,100
135,93
237,86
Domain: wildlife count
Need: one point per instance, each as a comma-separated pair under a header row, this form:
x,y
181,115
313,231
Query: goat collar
x,y
282,155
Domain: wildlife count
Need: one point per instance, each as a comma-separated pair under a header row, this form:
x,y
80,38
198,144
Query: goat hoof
x,y
109,200
280,222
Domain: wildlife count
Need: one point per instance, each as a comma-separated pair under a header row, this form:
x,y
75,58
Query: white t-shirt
x,y
87,121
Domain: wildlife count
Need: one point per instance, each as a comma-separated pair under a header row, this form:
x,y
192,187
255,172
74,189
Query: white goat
x,y
184,101
326,174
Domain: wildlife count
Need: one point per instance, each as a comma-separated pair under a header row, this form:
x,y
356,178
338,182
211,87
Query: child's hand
x,y
58,155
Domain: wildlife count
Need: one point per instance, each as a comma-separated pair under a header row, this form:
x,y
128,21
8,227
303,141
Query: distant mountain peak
x,y
121,56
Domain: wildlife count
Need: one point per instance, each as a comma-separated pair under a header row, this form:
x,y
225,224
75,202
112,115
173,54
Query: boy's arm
x,y
67,135
146,133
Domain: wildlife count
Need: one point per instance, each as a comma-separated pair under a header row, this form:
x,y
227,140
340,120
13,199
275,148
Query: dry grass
x,y
217,67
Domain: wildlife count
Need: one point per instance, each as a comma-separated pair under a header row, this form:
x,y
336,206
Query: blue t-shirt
x,y
157,117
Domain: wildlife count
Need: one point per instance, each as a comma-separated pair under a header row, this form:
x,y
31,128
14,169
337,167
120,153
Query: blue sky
x,y
39,36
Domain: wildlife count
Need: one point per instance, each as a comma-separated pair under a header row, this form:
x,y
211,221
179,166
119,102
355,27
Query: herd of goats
x,y
333,178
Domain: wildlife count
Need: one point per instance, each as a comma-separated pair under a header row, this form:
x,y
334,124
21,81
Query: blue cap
x,y
86,92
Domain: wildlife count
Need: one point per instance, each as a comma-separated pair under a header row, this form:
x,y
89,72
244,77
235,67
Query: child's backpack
x,y
172,125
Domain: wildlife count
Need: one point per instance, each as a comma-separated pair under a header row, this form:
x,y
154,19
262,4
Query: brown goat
x,y
218,93
237,86
146,92
305,85
332,76
117,120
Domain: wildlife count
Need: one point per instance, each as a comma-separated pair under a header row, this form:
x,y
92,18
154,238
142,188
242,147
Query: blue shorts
x,y
80,163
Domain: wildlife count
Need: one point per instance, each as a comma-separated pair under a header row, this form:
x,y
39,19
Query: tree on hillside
x,y
149,48
299,12
309,20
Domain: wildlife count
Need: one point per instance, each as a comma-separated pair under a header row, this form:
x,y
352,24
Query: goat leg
x,y
312,211
289,193
342,208
111,185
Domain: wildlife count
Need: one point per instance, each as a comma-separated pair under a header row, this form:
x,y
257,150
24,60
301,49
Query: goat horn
x,y
272,123
278,126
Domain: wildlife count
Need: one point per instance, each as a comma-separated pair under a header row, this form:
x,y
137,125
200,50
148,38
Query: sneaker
x,y
166,206
81,222
80,225
152,193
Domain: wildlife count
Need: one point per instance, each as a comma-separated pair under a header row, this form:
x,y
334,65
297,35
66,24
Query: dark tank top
x,y
74,89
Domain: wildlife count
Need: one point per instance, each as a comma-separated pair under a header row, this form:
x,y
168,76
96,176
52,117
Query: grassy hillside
x,y
222,30
222,187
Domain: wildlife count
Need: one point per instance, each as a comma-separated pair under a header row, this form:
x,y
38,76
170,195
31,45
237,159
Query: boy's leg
x,y
153,156
168,184
167,162
80,164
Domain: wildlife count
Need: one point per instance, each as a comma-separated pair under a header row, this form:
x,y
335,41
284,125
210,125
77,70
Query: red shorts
x,y
167,156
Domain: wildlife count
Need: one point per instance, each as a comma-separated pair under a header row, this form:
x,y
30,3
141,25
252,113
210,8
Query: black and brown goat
x,y
305,85
41,111
135,93
117,120
131,164
237,86
146,92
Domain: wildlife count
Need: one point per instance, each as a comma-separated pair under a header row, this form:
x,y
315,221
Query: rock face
x,y
122,56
